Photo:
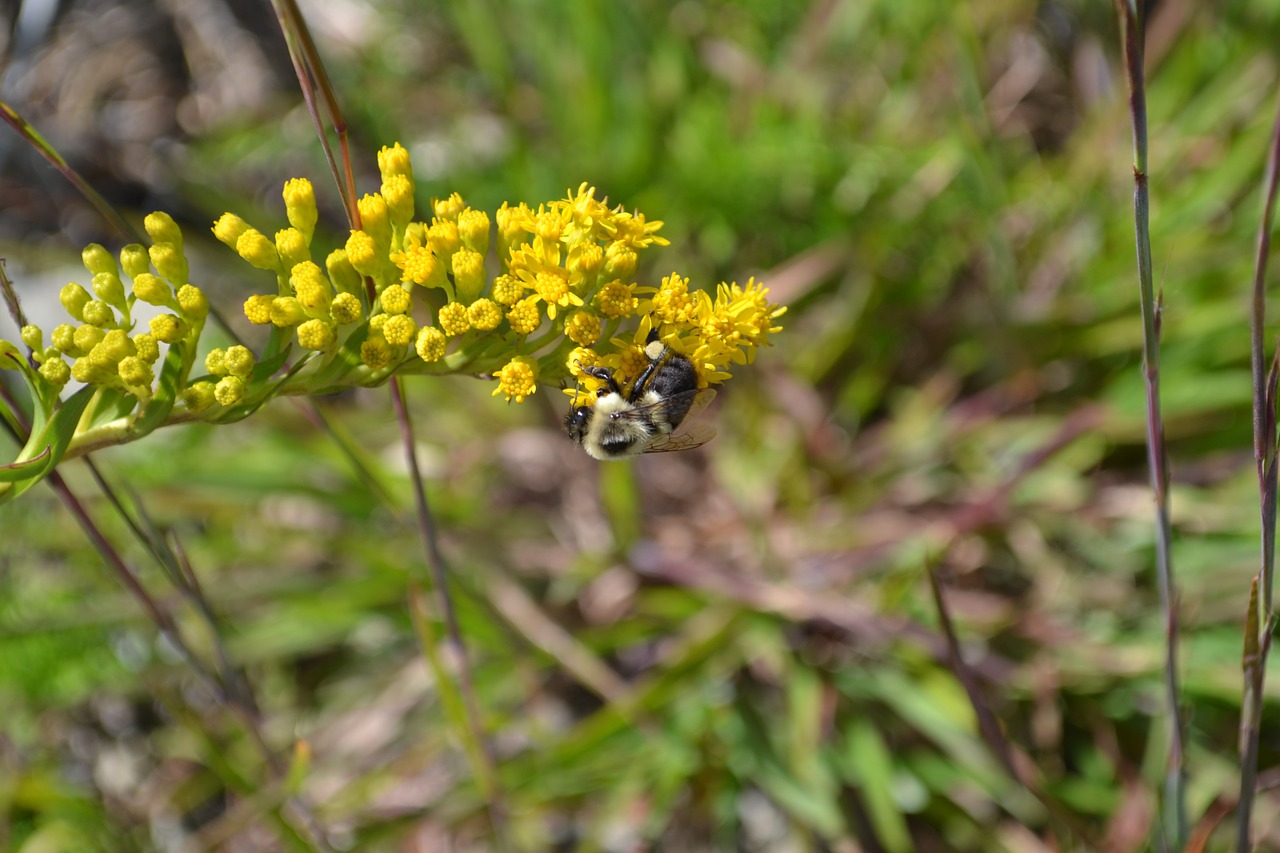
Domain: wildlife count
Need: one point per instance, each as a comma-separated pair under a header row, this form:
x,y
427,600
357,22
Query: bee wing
x,y
700,400
697,435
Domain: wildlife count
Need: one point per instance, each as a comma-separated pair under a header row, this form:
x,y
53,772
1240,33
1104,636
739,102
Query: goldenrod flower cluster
x,y
400,296
556,298
100,341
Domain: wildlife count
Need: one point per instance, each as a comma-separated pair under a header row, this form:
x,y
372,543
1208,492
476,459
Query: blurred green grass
x,y
942,195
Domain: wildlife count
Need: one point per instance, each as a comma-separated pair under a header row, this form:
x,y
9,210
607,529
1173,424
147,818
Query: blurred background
x,y
733,648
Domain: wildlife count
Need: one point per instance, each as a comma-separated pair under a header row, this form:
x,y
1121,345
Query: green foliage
x,y
733,648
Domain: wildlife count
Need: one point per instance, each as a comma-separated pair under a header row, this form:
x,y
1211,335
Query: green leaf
x,y
16,471
50,442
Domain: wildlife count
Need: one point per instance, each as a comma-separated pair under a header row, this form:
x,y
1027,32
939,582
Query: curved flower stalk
x,y
401,297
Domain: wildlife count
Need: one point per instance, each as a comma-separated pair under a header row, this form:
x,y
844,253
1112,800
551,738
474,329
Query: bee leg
x,y
606,376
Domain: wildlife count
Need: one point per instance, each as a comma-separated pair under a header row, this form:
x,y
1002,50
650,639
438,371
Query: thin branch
x,y
1132,29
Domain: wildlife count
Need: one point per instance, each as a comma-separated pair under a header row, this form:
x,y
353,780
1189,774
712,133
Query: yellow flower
x,y
582,328
239,361
517,379
135,372
443,238
147,347
257,309
473,230
169,262
673,303
375,353
553,287
316,335
227,229
454,320
345,309
291,246
468,274
198,396
300,206
524,316
161,228
636,233
484,314
395,300
398,192
55,371
73,298
399,330
448,208
362,252
254,247
581,357
616,299
287,311
394,161
431,344
229,390
193,303
507,290
419,265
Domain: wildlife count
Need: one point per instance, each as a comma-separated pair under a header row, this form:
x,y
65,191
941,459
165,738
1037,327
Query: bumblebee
x,y
625,423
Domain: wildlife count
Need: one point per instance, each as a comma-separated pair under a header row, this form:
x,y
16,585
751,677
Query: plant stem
x,y
1261,616
1132,29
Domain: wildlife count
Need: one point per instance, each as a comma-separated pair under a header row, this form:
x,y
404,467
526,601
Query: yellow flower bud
x,y
473,230
524,316
342,274
255,248
345,309
83,370
375,353
312,289
198,396
97,260
55,371
153,290
619,260
394,161
73,298
375,220
362,253
484,314
397,190
616,300
376,322
287,311
582,328
162,229
168,260
115,345
448,208
63,337
135,372
399,330
585,259
442,239
147,347
98,313
316,334
216,361
300,206
395,300
507,290
87,337
229,390
431,344
257,308
32,336
108,287
238,361
228,229
193,302
453,319
168,328
291,246
468,274
134,260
